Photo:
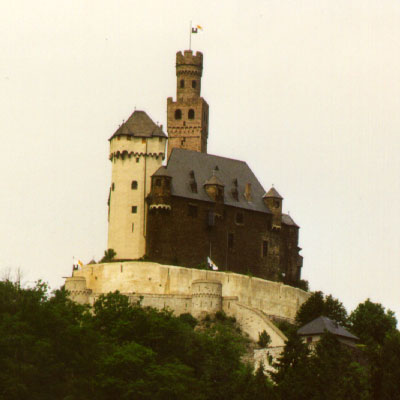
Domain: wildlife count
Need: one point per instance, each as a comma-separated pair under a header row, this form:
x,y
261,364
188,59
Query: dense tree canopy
x,y
52,348
319,305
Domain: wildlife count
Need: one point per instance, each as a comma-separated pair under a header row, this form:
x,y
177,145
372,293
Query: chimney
x,y
247,192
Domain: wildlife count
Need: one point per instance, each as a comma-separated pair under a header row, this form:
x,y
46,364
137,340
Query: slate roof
x,y
182,162
139,124
321,324
288,220
273,193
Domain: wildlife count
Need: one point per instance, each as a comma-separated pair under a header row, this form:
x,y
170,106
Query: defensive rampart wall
x,y
253,301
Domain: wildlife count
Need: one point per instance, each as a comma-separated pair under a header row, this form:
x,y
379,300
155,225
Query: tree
x,y
319,305
371,323
109,255
264,339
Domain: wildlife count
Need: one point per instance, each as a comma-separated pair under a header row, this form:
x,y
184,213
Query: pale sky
x,y
307,92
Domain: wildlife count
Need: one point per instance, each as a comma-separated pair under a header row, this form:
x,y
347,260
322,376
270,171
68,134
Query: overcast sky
x,y
305,91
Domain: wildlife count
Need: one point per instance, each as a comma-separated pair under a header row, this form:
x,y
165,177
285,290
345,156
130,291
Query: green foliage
x,y
371,323
52,348
319,305
287,328
329,372
264,339
302,284
109,255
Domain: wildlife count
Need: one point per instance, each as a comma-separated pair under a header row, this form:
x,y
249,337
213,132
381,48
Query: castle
x,y
198,205
166,220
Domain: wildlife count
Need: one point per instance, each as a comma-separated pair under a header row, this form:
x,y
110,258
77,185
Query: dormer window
x,y
178,114
191,114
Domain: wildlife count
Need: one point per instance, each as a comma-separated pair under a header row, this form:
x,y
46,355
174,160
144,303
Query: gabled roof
x,y
139,124
288,220
321,324
273,193
186,165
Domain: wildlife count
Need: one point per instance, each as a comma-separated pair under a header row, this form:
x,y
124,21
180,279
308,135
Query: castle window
x,y
178,114
113,186
133,228
137,159
191,114
134,185
192,211
182,83
134,209
128,138
231,238
276,203
264,252
158,182
194,84
239,218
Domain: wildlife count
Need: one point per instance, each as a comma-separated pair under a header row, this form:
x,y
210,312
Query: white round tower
x,y
137,150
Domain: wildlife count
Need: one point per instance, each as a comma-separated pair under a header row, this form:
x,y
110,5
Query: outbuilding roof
x,y
139,124
321,324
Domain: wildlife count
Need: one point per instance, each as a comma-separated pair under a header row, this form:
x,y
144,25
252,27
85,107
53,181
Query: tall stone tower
x,y
188,116
137,150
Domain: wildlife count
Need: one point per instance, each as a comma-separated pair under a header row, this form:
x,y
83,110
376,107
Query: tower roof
x,y
273,193
139,124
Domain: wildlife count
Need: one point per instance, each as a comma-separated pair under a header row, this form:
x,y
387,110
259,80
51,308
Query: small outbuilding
x,y
312,332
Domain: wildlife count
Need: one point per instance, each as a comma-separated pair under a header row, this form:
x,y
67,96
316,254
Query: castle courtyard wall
x,y
171,286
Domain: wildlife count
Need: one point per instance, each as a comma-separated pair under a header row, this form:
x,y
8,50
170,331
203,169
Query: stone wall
x,y
274,299
182,235
252,301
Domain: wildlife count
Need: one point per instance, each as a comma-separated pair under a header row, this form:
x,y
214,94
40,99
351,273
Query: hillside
x,y
52,348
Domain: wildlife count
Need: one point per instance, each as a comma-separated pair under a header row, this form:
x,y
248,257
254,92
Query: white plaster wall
x,y
128,242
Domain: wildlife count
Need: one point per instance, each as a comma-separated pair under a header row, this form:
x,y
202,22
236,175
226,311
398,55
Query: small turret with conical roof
x,y
273,201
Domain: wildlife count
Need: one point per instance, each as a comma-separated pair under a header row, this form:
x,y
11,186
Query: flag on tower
x,y
196,28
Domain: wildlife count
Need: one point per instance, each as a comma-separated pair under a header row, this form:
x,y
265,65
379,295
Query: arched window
x,y
178,114
194,84
134,185
191,114
182,83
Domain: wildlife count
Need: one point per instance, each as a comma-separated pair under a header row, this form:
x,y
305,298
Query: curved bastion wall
x,y
252,301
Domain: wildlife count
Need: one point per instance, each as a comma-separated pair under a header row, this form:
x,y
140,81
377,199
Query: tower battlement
x,y
188,58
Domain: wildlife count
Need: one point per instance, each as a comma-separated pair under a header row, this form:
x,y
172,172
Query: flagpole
x,y
190,36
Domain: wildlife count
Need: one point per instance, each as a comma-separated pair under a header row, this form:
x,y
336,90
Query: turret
x,y
189,69
137,150
160,196
273,200
214,189
188,115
